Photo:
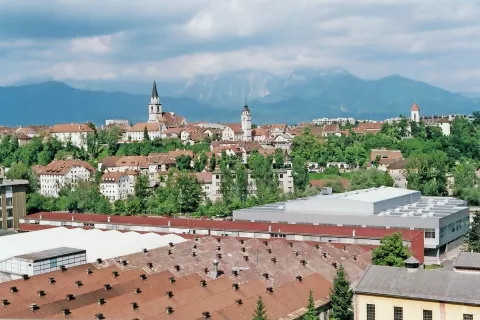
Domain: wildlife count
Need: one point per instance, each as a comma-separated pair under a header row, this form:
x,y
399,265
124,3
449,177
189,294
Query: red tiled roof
x,y
385,154
320,183
415,107
61,167
330,128
71,128
204,177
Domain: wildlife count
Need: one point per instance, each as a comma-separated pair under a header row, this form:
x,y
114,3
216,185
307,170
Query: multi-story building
x,y
74,133
327,121
60,173
12,203
444,220
118,185
415,293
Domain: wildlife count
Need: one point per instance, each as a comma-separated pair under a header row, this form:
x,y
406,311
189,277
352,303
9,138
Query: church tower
x,y
154,107
246,123
415,113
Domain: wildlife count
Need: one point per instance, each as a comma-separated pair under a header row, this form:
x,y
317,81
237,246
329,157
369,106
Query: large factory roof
x,y
144,285
97,243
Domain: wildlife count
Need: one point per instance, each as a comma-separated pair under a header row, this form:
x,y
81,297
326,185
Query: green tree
x,y
146,137
465,179
183,162
341,297
300,174
426,172
200,162
119,207
18,170
135,205
227,184
241,182
142,187
312,313
473,237
213,163
189,192
279,159
260,311
372,178
391,251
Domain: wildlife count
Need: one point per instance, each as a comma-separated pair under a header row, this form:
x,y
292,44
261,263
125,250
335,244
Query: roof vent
x,y
124,262
269,251
242,241
235,272
354,258
78,283
196,238
324,254
70,297
41,293
290,244
115,274
235,286
274,260
245,258
13,289
205,315
194,246
299,278
344,248
169,252
66,312
219,240
107,286
205,270
194,254
303,262
5,302
172,279
149,265
143,277
203,283
265,243
269,289
99,260
25,277
169,294
168,310
137,290
89,271
101,301
144,250
243,249
265,275
63,268
134,305
334,264
296,253
219,255
177,267
51,280
219,248
99,316
34,307
239,301
171,244
317,246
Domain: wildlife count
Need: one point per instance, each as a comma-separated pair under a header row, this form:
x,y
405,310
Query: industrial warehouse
x,y
444,220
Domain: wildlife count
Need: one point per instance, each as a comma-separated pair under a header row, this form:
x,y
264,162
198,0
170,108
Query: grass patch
x,y
432,266
321,176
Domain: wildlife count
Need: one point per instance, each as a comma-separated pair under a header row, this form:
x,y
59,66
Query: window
x,y
9,202
452,227
9,224
427,315
442,231
10,212
467,316
429,233
53,263
370,312
397,313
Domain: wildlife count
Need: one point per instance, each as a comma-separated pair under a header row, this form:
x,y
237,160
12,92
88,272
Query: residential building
x,y
382,158
415,293
60,173
73,133
118,185
137,131
232,132
205,180
331,130
467,262
368,127
328,121
12,203
118,122
444,219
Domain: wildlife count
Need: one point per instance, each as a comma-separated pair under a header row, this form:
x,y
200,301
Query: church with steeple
x,y
157,115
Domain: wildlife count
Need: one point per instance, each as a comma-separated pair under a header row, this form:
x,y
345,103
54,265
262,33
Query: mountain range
x,y
294,97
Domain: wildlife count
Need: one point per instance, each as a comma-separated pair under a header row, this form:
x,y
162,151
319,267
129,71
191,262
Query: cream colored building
x,y
118,185
58,174
412,293
74,133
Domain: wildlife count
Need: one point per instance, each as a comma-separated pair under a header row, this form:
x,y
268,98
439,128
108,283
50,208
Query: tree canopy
x,y
341,297
391,251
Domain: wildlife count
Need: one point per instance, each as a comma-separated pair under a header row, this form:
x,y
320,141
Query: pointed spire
x,y
154,90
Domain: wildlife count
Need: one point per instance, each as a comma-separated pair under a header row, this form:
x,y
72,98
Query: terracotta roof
x,y
414,107
398,165
140,127
367,127
198,136
178,153
71,128
320,183
124,161
385,154
61,167
261,132
330,128
237,128
112,177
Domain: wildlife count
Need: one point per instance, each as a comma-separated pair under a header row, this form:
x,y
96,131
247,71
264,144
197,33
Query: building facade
x,y
118,185
60,173
12,203
73,133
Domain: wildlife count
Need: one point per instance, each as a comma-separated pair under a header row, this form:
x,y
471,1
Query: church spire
x,y
154,90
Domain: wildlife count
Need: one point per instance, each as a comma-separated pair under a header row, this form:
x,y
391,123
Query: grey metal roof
x,y
154,90
48,254
411,260
420,284
468,260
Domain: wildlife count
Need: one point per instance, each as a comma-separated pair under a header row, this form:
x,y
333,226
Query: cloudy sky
x,y
437,41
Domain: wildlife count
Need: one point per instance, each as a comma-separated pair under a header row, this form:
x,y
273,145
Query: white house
x,y
118,185
58,174
232,132
137,132
74,133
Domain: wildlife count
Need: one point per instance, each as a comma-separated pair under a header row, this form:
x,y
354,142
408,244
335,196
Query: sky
x,y
115,41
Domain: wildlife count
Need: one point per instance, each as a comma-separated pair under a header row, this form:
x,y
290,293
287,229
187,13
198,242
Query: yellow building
x,y
413,293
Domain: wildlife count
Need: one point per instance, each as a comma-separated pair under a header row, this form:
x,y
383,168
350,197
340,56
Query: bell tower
x,y
246,123
154,107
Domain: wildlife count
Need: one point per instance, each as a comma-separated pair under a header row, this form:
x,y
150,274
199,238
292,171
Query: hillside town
x,y
337,218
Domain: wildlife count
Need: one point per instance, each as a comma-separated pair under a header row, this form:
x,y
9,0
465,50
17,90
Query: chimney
x,y
109,219
41,217
143,277
51,280
41,293
235,286
412,264
169,294
89,271
168,310
107,287
99,260
101,301
99,316
214,273
169,223
239,301
353,233
34,307
70,297
134,305
269,228
205,315
13,289
299,278
73,218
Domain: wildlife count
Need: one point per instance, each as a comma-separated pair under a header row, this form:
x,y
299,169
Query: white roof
x,y
375,194
97,243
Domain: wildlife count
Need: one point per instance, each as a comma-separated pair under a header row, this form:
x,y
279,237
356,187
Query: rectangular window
x,y
467,316
451,226
427,315
397,313
9,224
53,263
429,233
9,202
10,212
442,231
459,224
370,312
